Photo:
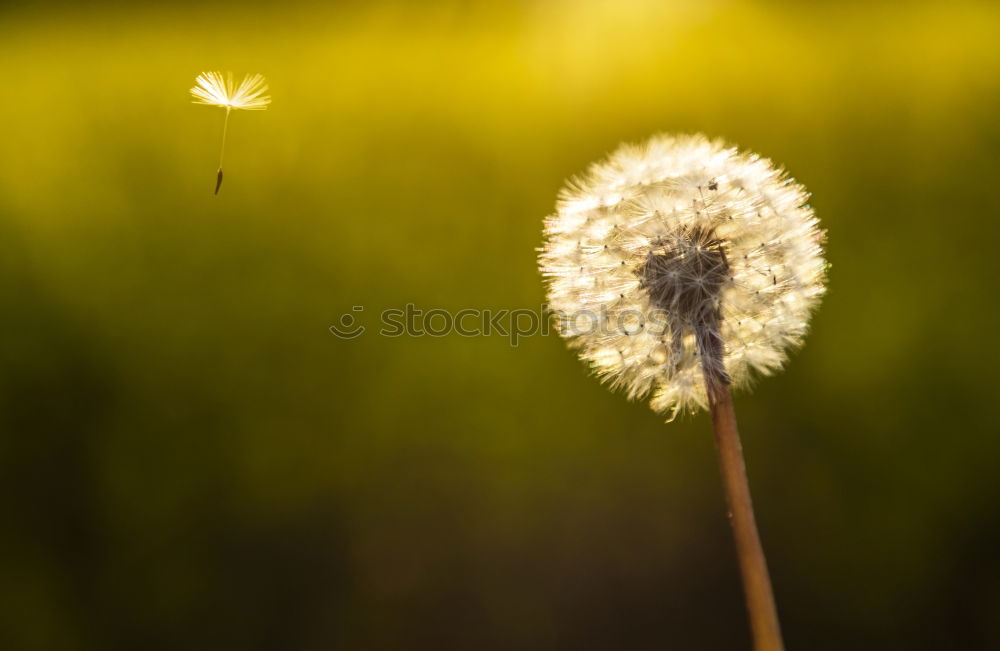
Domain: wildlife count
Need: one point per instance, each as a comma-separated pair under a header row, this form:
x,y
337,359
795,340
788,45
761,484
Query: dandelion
x,y
680,267
215,89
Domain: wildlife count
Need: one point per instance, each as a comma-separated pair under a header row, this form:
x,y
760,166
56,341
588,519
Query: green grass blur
x,y
189,459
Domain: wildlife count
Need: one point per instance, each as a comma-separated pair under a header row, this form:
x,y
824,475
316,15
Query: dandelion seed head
x,y
664,236
218,89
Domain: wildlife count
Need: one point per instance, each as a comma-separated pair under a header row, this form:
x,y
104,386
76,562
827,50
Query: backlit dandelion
x,y
678,267
216,89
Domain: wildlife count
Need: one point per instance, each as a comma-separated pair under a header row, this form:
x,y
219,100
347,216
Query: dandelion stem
x,y
222,150
225,127
756,581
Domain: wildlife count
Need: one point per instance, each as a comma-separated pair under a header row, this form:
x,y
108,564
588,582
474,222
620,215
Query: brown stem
x,y
756,580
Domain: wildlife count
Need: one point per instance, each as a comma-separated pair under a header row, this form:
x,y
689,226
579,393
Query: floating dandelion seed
x,y
215,89
679,267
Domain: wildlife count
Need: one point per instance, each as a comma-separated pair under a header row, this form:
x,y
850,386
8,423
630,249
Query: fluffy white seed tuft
x,y
217,89
668,248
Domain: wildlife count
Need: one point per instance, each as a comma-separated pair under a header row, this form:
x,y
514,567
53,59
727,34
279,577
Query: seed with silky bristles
x,y
216,89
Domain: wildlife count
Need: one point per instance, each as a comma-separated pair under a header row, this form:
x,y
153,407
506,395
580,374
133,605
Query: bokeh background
x,y
190,460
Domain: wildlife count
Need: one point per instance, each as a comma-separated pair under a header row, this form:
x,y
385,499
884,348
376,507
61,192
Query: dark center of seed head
x,y
684,275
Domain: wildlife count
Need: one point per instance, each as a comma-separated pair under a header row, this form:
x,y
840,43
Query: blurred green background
x,y
190,460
